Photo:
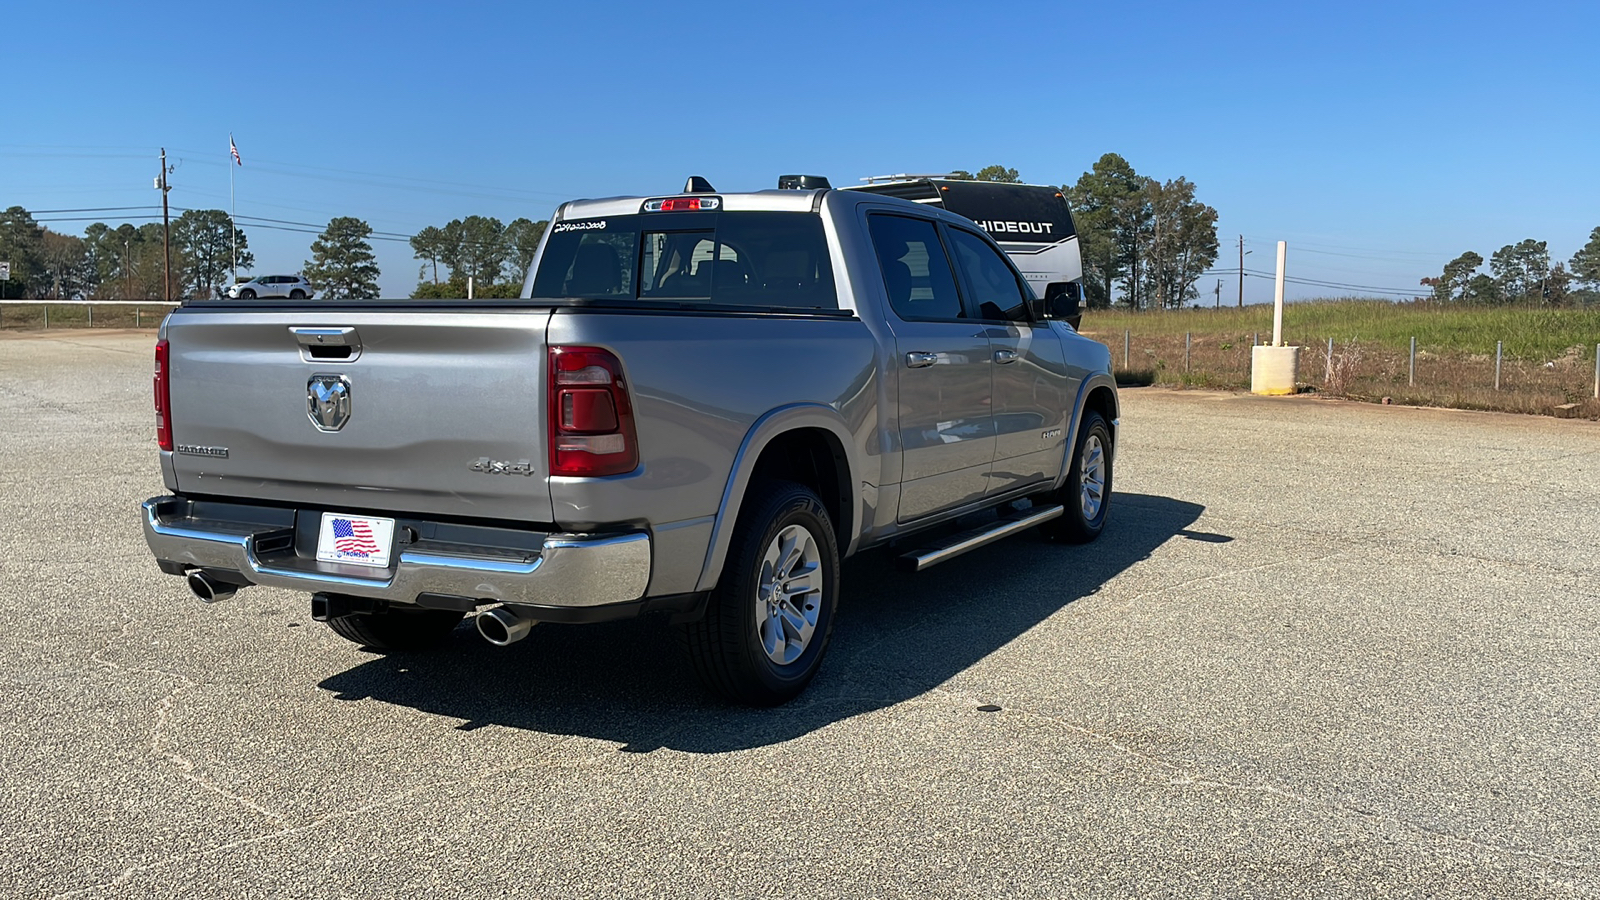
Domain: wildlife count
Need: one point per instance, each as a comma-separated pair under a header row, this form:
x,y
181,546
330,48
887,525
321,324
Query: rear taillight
x,y
163,398
591,416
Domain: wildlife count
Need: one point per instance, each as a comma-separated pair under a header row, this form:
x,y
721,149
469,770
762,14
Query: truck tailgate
x,y
429,393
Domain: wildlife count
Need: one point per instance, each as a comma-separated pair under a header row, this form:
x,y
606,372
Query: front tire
x,y
247,294
1087,493
768,622
397,630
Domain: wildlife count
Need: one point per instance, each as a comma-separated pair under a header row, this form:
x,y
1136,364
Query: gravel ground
x,y
1323,649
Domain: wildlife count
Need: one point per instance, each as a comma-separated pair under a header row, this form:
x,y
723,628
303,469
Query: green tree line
x,y
1521,274
119,262
494,256
127,262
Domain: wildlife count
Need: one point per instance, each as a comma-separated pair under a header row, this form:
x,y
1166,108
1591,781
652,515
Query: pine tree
x,y
342,265
1586,262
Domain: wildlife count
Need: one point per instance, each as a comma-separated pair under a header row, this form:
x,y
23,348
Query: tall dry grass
x,y
29,316
1548,355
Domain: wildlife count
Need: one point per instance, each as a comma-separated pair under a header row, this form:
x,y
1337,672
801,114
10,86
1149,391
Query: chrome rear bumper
x,y
567,570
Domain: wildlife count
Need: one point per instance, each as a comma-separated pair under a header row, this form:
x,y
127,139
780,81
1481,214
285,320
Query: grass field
x,y
1548,356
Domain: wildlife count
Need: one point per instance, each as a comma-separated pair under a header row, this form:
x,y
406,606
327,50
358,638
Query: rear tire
x,y
1087,493
297,295
768,622
397,630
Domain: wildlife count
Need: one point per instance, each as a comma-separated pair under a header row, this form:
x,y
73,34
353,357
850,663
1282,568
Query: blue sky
x,y
1380,140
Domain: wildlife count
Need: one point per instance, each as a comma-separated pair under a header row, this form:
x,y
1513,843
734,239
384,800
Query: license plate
x,y
357,540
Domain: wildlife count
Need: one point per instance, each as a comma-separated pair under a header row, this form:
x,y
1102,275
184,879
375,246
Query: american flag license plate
x,y
358,540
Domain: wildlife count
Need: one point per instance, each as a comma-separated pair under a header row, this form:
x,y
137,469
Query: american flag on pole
x,y
354,537
234,149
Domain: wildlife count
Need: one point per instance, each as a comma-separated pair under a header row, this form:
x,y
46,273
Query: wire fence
x,y
1415,375
25,314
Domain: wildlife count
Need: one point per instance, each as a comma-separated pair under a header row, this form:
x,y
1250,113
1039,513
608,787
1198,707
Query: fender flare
x,y
770,426
1094,381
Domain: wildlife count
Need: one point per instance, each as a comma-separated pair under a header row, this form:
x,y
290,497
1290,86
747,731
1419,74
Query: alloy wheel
x,y
1092,477
789,594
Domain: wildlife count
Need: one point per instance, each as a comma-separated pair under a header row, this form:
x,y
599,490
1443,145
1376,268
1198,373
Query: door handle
x,y
327,343
1005,356
917,359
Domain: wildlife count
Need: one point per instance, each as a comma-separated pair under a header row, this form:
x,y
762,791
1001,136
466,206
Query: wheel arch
x,y
806,443
1098,393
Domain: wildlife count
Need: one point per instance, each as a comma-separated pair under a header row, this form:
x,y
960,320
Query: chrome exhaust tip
x,y
208,589
502,627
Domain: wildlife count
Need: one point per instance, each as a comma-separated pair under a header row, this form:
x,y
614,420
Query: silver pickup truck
x,y
702,402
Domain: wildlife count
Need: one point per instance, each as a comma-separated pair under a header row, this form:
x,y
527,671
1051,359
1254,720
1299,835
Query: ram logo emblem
x,y
328,401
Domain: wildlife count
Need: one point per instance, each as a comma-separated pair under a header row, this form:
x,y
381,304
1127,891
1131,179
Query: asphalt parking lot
x,y
1323,649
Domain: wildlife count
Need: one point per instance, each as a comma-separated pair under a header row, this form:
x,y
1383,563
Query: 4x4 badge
x,y
501,466
328,401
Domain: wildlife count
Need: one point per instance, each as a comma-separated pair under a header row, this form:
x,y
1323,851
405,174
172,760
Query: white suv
x,y
293,287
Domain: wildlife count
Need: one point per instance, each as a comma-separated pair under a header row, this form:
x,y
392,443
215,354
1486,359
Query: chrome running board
x,y
955,545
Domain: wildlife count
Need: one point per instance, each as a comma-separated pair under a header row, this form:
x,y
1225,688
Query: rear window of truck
x,y
734,259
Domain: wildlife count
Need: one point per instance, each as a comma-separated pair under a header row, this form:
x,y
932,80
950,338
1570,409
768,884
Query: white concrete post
x,y
1274,368
469,287
1277,297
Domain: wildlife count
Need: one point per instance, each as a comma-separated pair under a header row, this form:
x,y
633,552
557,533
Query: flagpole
x,y
233,214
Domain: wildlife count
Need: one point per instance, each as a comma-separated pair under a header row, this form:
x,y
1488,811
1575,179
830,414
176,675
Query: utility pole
x,y
1219,293
166,228
1241,271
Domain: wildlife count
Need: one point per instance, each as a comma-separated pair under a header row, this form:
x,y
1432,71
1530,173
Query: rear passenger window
x,y
915,269
743,259
773,259
597,264
992,284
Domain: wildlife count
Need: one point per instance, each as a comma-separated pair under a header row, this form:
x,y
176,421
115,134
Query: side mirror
x,y
1063,300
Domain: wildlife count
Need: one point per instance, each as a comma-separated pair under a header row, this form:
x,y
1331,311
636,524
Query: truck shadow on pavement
x,y
897,636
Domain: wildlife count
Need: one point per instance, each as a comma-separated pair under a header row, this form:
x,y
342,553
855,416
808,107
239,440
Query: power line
x,y
46,212
394,234
1300,249
313,228
378,179
262,222
1304,244
98,218
1315,282
262,204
